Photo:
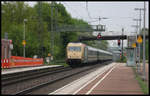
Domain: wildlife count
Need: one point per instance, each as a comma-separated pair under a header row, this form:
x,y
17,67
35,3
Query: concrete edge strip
x,y
27,69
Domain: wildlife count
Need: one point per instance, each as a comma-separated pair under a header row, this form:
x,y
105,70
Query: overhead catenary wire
x,y
88,10
93,21
73,10
89,14
79,14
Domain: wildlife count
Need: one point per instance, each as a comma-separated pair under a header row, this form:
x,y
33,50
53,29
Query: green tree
x,y
38,28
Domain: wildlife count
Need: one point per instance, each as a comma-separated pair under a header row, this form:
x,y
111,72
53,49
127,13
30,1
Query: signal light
x,y
118,42
98,36
120,55
10,41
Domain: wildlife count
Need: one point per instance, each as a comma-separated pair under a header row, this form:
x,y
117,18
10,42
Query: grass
x,y
64,64
57,63
142,83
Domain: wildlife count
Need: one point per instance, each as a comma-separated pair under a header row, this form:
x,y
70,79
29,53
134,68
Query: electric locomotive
x,y
80,54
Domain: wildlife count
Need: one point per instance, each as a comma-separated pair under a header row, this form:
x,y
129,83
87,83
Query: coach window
x,y
71,48
90,52
78,48
74,48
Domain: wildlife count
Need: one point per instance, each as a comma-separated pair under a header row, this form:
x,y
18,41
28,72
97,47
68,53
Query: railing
x,y
16,61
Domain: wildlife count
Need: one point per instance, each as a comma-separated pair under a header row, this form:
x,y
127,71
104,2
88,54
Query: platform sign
x,y
49,54
6,35
47,59
24,42
11,46
134,45
139,40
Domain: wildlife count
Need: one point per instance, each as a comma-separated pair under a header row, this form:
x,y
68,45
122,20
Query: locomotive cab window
x,y
74,48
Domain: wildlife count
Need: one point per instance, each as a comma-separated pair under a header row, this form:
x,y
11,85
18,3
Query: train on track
x,y
9,61
79,54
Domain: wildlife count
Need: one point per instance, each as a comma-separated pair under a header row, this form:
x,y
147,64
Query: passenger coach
x,y
81,54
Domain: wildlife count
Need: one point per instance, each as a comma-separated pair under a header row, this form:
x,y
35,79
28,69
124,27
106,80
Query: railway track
x,y
9,79
12,83
38,80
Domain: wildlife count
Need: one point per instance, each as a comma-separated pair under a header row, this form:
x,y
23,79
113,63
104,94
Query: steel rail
x,y
20,77
28,90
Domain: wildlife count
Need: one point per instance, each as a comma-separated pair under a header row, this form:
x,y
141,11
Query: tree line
x,y
39,20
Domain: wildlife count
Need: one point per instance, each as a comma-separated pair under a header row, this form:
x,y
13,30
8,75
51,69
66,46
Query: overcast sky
x,y
120,14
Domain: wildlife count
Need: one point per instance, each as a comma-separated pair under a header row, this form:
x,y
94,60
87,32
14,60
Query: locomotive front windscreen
x,y
74,48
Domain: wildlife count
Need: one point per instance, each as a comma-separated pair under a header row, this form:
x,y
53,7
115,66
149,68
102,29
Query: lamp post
x,y
144,73
139,9
24,39
52,32
138,48
136,29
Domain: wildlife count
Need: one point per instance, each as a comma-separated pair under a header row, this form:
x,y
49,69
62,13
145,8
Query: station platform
x,y
115,78
22,69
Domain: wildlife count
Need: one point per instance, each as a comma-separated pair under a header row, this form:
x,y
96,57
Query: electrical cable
x,y
72,9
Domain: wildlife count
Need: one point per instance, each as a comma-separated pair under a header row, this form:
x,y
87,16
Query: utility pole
x,y
54,29
136,30
40,30
122,46
137,52
140,9
52,33
144,73
24,42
